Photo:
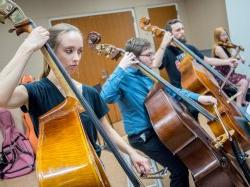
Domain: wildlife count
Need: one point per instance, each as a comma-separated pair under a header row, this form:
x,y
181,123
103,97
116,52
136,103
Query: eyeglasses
x,y
148,55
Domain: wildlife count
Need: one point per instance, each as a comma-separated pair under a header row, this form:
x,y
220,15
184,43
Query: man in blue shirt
x,y
128,87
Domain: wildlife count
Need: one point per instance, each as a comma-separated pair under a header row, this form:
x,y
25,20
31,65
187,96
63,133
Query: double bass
x,y
198,77
71,160
178,131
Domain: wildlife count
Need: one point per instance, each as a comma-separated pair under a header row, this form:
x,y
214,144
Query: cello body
x,y
185,138
65,156
196,78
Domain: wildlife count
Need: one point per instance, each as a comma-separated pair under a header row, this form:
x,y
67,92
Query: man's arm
x,y
203,99
110,90
161,50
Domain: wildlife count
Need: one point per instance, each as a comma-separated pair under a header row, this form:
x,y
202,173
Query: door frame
x,y
136,29
164,5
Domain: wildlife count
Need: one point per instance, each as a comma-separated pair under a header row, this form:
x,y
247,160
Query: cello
x,y
68,161
178,131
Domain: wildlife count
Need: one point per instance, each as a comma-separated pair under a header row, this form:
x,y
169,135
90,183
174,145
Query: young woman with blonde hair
x,y
223,49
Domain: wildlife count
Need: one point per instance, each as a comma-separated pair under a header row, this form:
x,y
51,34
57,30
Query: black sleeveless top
x,y
44,95
173,54
226,51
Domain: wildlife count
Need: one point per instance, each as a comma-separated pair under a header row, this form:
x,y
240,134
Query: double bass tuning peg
x,y
18,30
2,19
12,30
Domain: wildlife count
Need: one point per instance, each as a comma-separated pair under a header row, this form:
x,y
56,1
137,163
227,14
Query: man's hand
x,y
128,60
207,100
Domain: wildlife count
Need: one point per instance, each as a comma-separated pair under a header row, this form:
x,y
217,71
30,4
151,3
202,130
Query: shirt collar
x,y
133,70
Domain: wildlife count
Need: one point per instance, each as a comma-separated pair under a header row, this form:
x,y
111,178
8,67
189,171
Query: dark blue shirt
x,y
44,95
171,56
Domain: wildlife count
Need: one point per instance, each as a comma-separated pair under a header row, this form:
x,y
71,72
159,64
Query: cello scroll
x,y
110,51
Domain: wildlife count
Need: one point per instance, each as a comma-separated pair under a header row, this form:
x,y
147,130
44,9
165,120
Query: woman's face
x,y
147,57
69,50
223,37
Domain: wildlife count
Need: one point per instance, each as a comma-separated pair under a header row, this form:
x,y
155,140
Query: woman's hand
x,y
231,62
128,60
207,100
36,39
141,163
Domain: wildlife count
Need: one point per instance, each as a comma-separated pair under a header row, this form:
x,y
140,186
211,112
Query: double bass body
x,y
65,156
186,139
196,78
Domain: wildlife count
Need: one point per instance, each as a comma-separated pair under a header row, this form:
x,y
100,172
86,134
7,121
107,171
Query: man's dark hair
x,y
171,22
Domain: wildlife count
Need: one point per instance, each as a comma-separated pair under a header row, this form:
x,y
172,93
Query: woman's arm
x,y
222,60
11,94
141,163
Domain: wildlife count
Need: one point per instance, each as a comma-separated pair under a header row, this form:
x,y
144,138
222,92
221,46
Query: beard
x,y
183,40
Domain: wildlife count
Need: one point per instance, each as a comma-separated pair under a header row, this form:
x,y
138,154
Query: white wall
x,y
239,28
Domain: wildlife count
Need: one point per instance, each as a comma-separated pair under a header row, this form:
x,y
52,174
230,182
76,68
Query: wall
x,y
203,17
239,27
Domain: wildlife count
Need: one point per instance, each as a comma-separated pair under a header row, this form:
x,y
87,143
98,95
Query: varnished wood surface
x,y
64,156
186,139
196,78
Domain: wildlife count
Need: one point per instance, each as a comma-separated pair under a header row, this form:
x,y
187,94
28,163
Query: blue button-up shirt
x,y
129,88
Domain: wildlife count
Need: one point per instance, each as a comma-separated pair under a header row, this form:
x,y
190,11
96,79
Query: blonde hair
x,y
217,34
55,31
